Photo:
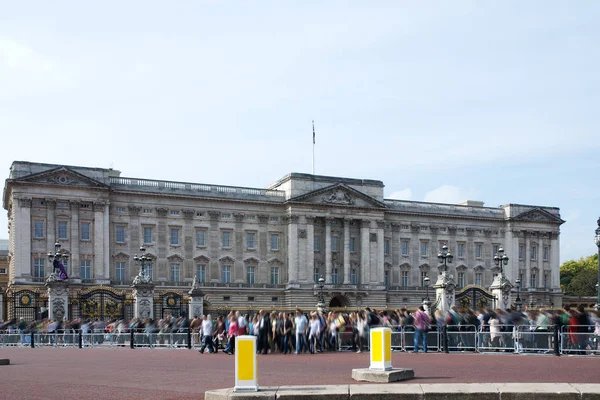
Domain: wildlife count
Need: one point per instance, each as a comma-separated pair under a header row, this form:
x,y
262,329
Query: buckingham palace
x,y
267,247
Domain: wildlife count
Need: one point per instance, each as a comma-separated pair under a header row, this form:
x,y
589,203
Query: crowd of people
x,y
315,332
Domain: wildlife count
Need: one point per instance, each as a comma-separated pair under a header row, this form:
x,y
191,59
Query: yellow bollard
x,y
245,363
381,349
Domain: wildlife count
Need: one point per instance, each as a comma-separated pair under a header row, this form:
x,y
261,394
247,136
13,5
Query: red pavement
x,y
125,374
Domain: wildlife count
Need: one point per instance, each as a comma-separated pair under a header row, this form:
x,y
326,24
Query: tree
x,y
579,278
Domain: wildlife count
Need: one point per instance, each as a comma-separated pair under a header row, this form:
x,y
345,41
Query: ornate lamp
x,y
445,257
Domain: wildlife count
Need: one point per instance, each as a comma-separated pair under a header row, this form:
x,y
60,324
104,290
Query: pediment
x,y
339,195
175,258
62,176
538,215
251,260
202,259
121,255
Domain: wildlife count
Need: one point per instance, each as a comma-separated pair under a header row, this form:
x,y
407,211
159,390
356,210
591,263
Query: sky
x,y
442,101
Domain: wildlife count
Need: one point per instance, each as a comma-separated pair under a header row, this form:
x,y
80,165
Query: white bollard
x,y
245,363
381,349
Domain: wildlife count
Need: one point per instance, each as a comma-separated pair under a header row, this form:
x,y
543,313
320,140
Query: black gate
x,y
169,303
102,304
475,297
27,304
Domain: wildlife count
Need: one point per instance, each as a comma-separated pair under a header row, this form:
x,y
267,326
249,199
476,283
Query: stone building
x,y
3,276
252,247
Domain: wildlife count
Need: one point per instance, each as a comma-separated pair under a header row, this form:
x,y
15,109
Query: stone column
x,y
74,261
51,232
22,232
293,250
527,256
380,253
107,237
365,266
346,251
214,246
328,266
58,298
263,247
143,294
238,274
99,239
310,248
196,305
444,292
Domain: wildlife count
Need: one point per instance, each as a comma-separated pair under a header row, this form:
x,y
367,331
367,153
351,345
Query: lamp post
x,y
597,240
321,303
56,258
518,300
426,283
501,259
144,261
445,257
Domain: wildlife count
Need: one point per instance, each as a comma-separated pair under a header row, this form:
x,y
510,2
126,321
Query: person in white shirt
x,y
207,329
314,330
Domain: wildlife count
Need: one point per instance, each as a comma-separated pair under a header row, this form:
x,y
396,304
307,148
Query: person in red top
x,y
231,334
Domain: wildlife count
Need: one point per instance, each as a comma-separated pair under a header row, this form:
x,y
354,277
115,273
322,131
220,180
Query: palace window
x,y
334,244
274,241
352,245
533,250
148,235
120,209
120,234
353,277
250,243
386,278
317,243
175,212
86,269
386,247
201,273
274,275
317,275
404,281
478,278
201,238
3,271
86,229
533,280
478,251
225,216
521,251
461,279
274,219
38,267
404,247
424,249
423,276
174,237
495,249
63,229
546,253
120,271
174,272
226,239
460,250
148,272
334,276
250,275
546,280
38,230
226,274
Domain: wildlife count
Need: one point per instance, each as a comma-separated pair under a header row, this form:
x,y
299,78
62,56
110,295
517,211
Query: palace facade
x,y
253,247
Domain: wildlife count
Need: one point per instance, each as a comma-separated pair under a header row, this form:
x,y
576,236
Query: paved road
x,y
125,374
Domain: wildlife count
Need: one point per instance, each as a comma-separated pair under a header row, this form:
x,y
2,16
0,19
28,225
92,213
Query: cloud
x,y
24,71
405,194
19,57
447,194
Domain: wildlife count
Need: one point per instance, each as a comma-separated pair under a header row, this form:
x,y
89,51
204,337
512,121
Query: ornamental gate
x,y
102,304
475,297
27,304
169,303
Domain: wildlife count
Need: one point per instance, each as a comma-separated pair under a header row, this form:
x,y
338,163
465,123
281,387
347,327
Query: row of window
x,y
335,276
85,268
460,279
62,230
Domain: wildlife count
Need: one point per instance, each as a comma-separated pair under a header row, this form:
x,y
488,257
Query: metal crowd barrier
x,y
579,340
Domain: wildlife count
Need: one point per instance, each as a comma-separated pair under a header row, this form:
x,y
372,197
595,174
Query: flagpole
x,y
313,160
